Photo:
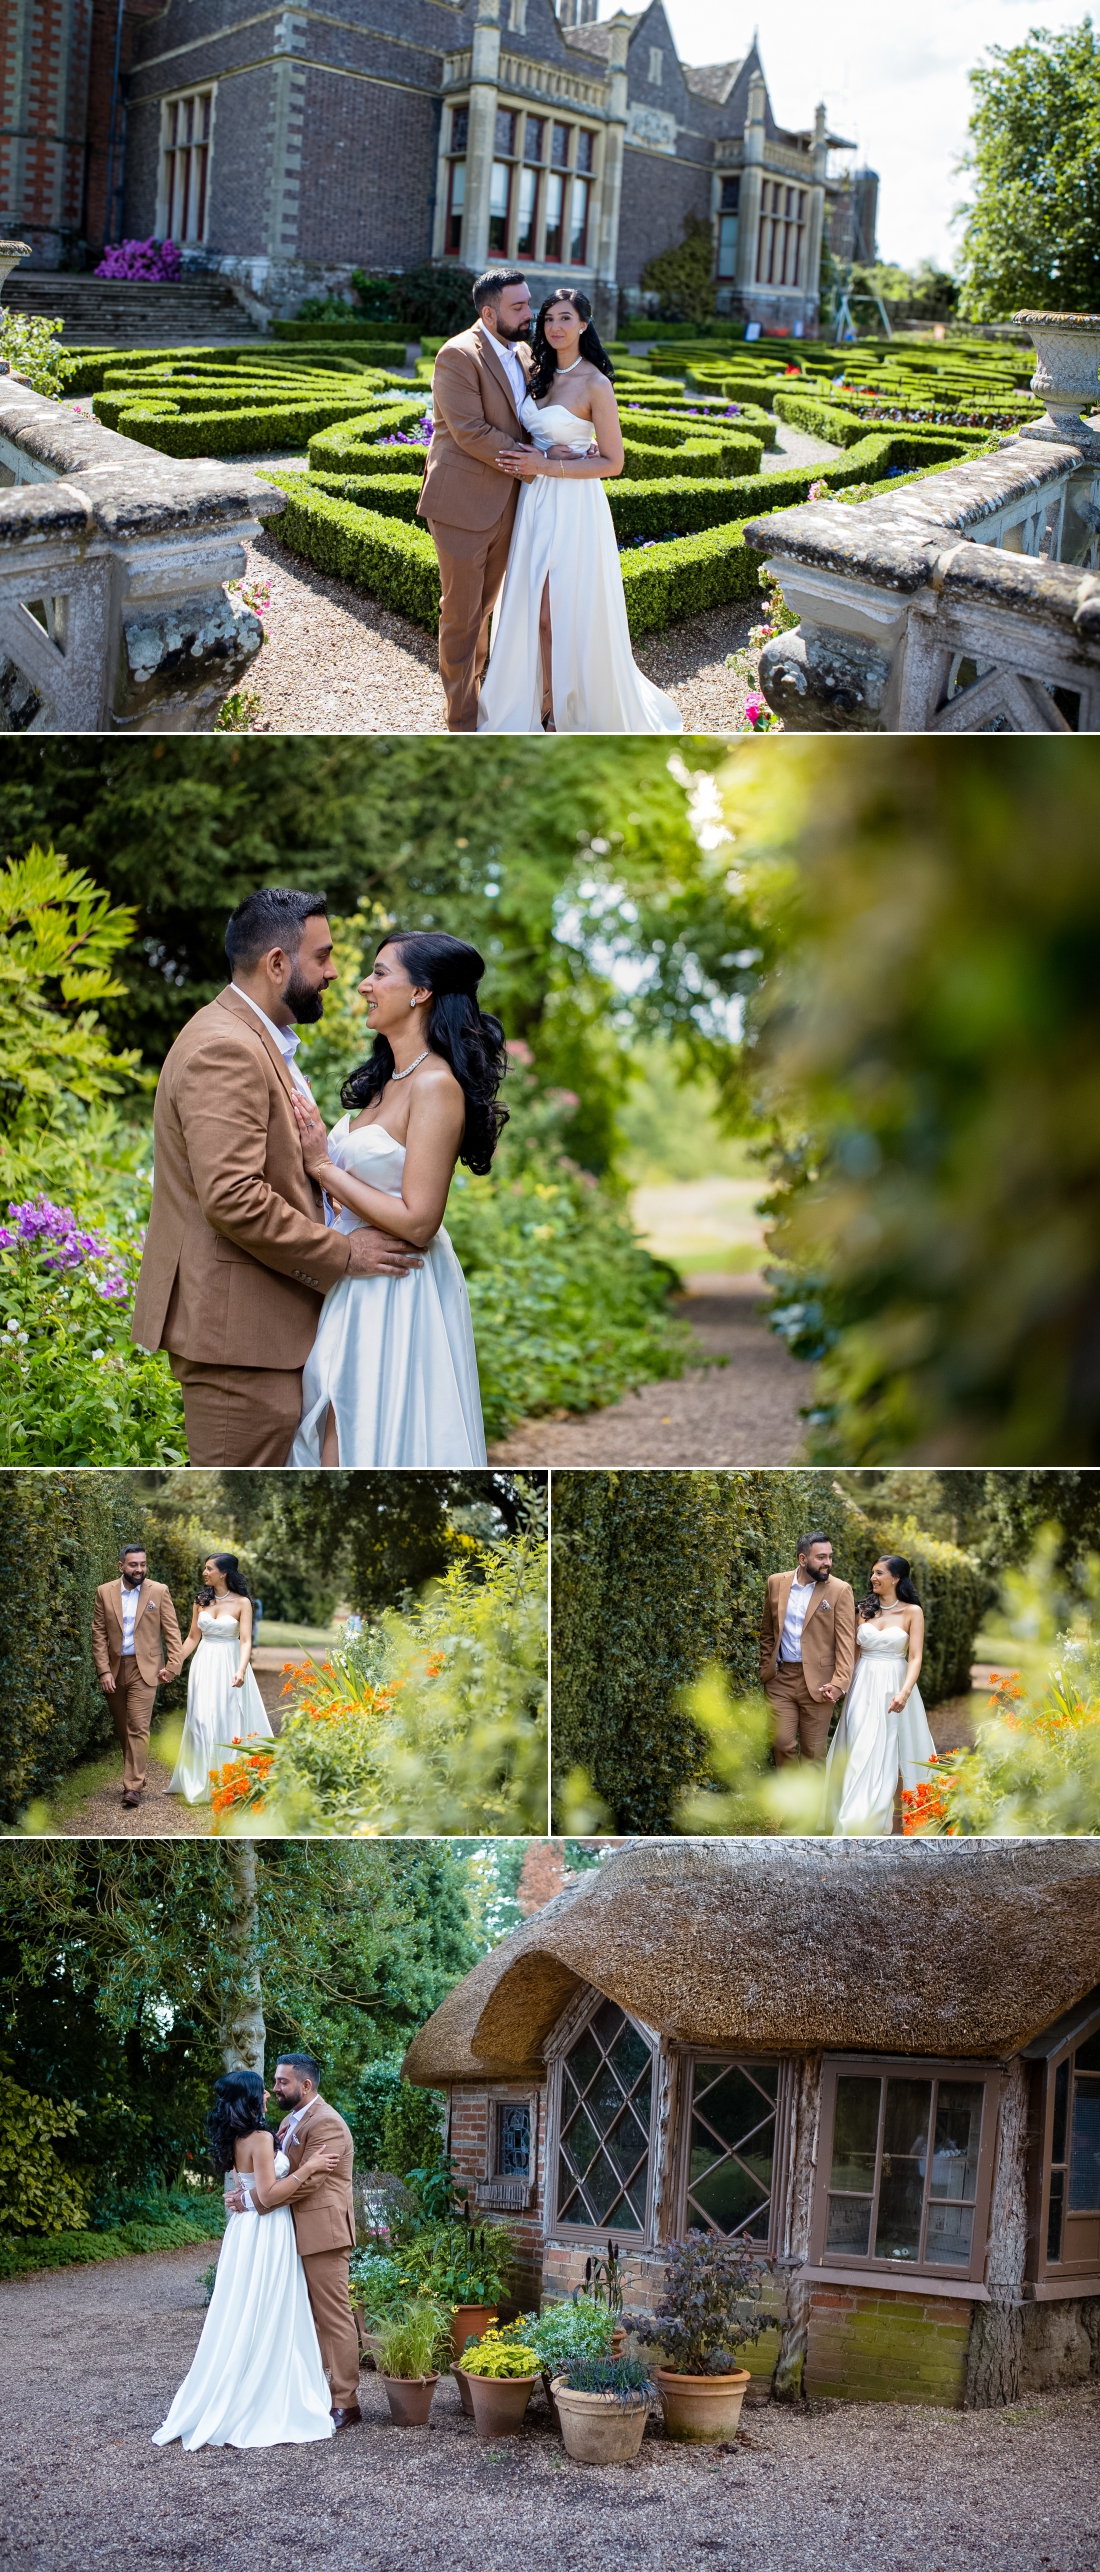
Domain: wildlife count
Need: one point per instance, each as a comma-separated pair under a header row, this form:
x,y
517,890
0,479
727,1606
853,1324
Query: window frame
x,y
750,2057
492,2189
454,216
1059,2275
580,185
169,150
853,2265
568,2034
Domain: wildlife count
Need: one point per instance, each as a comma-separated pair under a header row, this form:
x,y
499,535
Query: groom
x,y
324,2223
807,1649
136,1643
237,1256
479,382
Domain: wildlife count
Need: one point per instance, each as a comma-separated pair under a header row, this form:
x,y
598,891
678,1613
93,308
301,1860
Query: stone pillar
x,y
752,181
285,124
611,190
484,74
816,225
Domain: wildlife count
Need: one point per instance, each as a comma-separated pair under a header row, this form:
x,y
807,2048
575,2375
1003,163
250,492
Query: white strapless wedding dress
x,y
565,529
870,1745
219,1716
394,1355
256,2379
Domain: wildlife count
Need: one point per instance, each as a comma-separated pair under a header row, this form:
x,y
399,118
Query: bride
x,y
391,1378
883,1729
224,1705
566,666
256,2379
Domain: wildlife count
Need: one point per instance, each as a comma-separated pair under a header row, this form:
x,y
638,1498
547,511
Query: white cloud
x,y
897,86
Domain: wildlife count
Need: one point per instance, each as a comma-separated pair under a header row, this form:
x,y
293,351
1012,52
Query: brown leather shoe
x,y
346,2415
132,1796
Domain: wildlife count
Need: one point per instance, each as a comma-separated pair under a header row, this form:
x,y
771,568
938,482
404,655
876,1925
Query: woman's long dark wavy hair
x,y
238,2109
545,365
234,1578
468,1038
897,1565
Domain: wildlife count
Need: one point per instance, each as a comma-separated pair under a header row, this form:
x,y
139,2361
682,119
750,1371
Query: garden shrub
x,y
433,1722
396,563
397,2127
658,1577
389,350
60,1536
79,2249
75,1389
38,2194
694,456
158,424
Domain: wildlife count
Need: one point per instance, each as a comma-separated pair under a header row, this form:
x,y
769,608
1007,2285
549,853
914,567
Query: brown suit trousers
x,y
470,584
132,1713
238,1415
470,507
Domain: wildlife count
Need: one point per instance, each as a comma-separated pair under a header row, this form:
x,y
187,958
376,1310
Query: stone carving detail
x,y
651,126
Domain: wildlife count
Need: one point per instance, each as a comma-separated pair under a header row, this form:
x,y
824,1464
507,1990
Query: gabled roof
x,y
950,1947
711,80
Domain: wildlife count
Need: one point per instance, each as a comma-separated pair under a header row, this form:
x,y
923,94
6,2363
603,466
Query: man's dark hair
x,y
273,917
490,285
132,1549
305,2063
818,1538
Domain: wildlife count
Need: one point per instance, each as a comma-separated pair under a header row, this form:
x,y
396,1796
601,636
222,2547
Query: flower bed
x,y
74,1389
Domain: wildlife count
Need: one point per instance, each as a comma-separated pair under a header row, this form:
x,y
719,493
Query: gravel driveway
x,y
90,2358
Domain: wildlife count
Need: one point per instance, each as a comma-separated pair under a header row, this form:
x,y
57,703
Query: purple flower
x,y
39,1224
155,261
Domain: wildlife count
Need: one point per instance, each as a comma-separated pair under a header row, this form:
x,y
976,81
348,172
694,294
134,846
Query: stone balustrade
x,y
114,615
966,602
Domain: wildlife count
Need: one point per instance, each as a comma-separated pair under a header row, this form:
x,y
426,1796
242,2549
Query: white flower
x,y
11,1326
99,1352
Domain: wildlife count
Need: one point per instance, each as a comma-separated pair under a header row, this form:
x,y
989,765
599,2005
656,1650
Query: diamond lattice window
x,y
606,2103
732,2148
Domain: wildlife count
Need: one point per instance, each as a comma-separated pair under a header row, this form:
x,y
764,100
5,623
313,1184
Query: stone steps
x,y
119,312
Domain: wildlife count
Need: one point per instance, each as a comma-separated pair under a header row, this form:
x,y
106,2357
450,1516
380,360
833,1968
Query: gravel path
x,y
90,2358
104,1816
745,1414
335,661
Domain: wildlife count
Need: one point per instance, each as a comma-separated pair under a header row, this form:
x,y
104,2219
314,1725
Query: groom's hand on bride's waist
x,y
380,1254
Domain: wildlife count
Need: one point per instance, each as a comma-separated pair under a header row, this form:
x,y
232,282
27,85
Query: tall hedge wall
x,y
60,1536
655,1575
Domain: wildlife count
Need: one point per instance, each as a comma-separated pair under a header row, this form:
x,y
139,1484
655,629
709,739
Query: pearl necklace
x,y
413,1067
567,370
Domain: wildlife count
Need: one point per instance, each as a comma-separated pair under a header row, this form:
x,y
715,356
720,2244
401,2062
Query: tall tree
x,y
1032,233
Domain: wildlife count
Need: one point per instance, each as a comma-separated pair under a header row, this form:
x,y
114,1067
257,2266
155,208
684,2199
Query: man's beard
x,y
524,332
304,1003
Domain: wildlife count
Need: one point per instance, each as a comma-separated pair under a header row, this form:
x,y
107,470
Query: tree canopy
x,y
1032,234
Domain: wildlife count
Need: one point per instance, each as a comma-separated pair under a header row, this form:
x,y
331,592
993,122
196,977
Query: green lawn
x,y
93,1776
273,1637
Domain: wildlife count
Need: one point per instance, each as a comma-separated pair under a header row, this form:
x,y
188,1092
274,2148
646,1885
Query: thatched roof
x,y
947,1947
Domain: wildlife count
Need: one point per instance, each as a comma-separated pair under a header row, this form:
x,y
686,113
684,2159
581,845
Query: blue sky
x,y
893,79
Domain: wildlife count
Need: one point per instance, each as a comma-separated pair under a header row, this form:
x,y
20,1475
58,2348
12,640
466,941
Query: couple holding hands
x,y
819,1646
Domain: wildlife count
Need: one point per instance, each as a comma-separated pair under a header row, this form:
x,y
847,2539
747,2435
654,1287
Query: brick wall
x,y
657,194
871,2346
471,2109
371,164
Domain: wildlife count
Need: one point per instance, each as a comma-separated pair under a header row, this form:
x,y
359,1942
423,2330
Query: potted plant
x,y
568,2333
602,2407
409,2341
466,2266
501,2374
376,2288
710,2308
603,2284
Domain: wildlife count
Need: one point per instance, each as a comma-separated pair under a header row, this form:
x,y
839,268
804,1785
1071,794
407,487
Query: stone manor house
x,y
285,145
876,2061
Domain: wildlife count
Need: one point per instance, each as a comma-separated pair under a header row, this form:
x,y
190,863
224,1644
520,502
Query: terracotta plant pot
x,y
499,2403
596,2428
618,2342
463,2382
410,2399
702,2406
468,2318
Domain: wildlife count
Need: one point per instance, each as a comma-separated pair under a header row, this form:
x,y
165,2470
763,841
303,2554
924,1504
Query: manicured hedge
x,y
639,509
655,1575
333,331
395,562
235,432
693,457
60,1536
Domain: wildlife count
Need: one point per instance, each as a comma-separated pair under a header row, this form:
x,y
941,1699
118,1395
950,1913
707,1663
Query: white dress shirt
x,y
286,1038
790,1641
512,363
129,1611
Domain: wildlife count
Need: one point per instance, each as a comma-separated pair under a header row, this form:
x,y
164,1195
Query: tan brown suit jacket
x,y
236,1257
828,1632
323,2210
155,1617
475,416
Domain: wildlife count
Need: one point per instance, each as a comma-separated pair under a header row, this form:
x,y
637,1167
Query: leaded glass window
x,y
514,2143
1073,2206
732,2148
604,2135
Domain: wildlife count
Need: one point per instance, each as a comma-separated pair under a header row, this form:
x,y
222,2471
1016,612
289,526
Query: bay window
x,y
185,166
904,2167
555,200
1069,2230
727,229
578,230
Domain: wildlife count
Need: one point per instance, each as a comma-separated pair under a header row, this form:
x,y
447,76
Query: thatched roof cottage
x,y
878,2061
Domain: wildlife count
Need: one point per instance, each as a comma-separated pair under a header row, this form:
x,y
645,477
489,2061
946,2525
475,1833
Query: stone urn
x,y
596,2428
1067,350
11,252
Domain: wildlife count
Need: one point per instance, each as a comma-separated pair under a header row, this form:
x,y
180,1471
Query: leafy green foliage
x,y
413,2337
29,346
626,2380
74,1388
930,1059
436,295
460,2262
1032,233
657,1576
499,2360
683,276
37,2193
570,2333
396,2127
24,2255
60,937
434,1722
710,2305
